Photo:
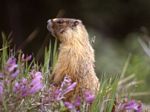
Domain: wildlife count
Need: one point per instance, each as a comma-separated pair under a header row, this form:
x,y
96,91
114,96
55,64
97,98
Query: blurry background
x,y
116,24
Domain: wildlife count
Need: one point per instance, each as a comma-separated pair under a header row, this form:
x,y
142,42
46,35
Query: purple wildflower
x,y
27,58
53,93
16,87
50,96
11,67
36,83
132,105
21,87
69,88
15,74
72,106
89,97
1,91
1,88
25,87
56,94
77,101
139,108
11,64
66,87
1,75
35,88
69,105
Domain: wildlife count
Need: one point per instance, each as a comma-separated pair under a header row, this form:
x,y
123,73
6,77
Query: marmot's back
x,y
76,56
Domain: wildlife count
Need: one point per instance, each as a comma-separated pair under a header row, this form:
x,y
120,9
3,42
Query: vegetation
x,y
25,86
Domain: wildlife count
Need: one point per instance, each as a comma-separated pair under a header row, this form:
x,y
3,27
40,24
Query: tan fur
x,y
76,55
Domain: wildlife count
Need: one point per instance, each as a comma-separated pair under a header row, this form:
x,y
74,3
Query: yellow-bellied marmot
x,y
76,55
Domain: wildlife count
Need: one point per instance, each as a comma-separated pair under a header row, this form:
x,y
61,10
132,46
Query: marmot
x,y
76,55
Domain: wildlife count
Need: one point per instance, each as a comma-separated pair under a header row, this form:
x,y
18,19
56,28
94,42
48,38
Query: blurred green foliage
x,y
111,56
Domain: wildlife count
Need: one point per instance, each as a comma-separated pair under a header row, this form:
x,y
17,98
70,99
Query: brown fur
x,y
76,55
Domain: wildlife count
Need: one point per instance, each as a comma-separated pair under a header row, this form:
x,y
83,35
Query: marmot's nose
x,y
49,21
49,24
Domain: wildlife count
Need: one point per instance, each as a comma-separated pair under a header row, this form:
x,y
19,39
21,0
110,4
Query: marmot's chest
x,y
75,64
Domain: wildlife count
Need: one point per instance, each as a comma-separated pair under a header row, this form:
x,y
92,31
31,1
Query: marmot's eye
x,y
60,21
75,23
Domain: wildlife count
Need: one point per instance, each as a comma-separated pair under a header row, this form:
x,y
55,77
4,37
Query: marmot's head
x,y
67,30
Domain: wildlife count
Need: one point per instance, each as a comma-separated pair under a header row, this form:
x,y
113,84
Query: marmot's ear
x,y
76,23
